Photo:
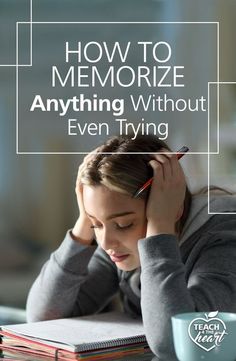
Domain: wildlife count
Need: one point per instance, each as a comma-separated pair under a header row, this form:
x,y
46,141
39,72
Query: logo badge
x,y
208,332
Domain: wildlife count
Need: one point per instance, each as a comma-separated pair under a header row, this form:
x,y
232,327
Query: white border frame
x,y
104,22
218,144
17,65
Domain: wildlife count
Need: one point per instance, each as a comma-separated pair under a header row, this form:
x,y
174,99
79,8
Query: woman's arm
x,y
167,290
77,280
163,291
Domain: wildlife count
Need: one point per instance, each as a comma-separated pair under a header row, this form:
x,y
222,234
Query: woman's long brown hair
x,y
122,170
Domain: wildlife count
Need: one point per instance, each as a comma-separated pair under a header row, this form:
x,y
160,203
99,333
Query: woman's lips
x,y
117,258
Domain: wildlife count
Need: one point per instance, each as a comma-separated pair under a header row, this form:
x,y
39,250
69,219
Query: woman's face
x,y
119,221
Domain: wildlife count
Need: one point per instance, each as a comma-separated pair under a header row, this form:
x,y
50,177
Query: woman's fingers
x,y
164,166
79,195
158,171
167,193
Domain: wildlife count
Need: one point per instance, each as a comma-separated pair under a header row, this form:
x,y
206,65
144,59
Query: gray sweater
x,y
195,273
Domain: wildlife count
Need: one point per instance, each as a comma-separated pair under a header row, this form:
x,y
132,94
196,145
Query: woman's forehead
x,y
103,192
99,200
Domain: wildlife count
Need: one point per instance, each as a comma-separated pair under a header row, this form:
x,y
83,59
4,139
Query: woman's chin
x,y
128,265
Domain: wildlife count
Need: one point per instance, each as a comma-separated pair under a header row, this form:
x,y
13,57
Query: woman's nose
x,y
108,240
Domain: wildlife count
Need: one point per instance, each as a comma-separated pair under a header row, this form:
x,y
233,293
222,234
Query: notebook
x,y
97,336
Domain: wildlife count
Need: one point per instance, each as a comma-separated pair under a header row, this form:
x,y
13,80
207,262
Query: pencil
x,y
180,154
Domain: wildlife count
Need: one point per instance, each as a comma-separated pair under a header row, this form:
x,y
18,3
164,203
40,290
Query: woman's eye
x,y
118,226
124,226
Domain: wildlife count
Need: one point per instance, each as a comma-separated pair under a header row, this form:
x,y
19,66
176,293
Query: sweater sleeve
x,y
76,280
166,291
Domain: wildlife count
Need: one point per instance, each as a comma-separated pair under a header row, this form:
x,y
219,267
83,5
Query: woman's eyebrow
x,y
114,215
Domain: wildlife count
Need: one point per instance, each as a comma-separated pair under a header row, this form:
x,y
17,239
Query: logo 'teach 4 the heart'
x,y
208,332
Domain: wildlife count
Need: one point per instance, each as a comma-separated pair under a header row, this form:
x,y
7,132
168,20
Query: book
x,y
100,336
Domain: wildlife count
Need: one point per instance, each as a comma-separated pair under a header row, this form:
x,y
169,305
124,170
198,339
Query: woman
x,y
162,250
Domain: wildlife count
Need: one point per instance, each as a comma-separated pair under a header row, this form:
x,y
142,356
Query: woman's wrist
x,y
155,228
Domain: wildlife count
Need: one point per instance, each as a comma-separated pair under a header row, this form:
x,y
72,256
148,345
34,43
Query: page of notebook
x,y
80,330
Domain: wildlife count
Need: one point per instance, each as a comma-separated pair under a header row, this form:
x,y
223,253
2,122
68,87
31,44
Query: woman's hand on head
x,y
167,193
82,230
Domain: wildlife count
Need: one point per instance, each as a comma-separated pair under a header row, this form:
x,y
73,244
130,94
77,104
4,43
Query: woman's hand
x,y
82,230
166,197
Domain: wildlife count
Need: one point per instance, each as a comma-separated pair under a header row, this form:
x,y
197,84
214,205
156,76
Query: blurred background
x,y
37,200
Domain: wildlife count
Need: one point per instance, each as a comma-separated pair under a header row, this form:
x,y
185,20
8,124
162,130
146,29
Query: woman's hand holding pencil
x,y
166,197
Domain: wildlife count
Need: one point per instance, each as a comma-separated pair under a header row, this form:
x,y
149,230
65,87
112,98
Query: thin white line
x,y
31,29
218,136
218,88
208,114
120,22
222,213
218,109
219,82
218,117
189,153
17,75
17,145
222,82
208,123
31,46
208,177
14,65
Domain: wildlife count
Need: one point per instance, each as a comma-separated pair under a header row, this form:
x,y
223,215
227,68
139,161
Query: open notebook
x,y
97,336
